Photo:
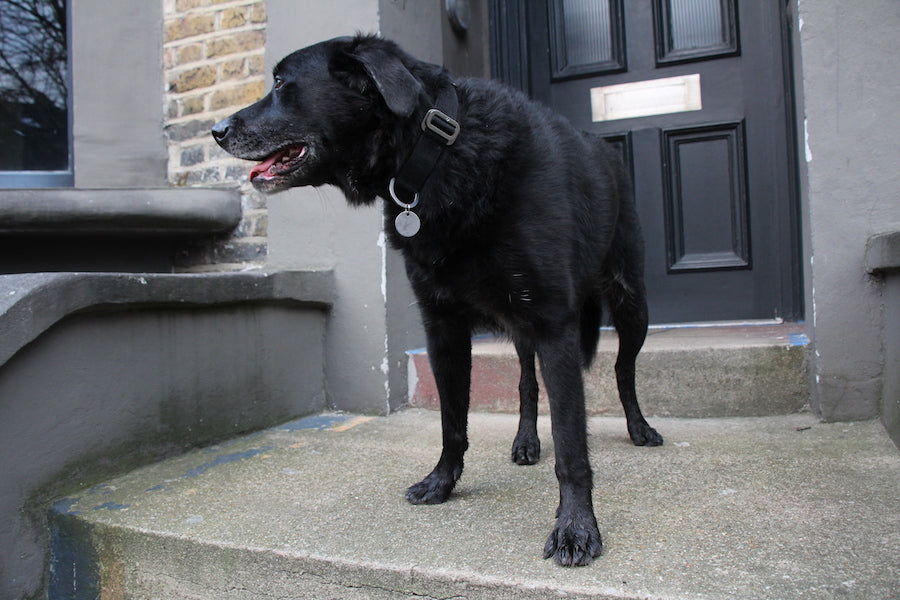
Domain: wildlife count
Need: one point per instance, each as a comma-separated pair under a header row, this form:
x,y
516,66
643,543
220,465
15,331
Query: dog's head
x,y
335,115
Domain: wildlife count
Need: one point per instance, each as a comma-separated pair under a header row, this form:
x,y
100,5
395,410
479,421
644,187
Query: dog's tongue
x,y
267,164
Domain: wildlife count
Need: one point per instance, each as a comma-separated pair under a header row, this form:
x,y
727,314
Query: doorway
x,y
696,95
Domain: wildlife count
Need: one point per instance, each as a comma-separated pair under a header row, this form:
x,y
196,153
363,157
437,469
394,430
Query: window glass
x,y
695,29
586,37
587,26
696,24
34,120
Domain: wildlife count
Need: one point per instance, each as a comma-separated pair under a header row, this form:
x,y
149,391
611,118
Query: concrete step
x,y
694,371
771,507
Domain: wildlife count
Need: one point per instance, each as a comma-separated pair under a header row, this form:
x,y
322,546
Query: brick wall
x,y
214,53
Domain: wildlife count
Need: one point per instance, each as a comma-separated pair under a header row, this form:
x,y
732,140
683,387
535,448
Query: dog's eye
x,y
279,83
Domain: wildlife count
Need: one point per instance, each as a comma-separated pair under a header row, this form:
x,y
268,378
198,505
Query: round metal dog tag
x,y
407,223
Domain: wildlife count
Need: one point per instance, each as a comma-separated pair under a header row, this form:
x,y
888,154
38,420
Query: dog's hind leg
x,y
628,304
450,354
526,448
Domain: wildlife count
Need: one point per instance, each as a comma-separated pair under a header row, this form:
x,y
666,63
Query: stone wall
x,y
214,60
850,89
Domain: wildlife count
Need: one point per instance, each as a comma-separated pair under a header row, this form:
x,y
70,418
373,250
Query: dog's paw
x,y
574,542
434,489
644,435
526,449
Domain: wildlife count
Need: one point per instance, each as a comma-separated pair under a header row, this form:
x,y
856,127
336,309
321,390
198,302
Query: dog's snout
x,y
220,130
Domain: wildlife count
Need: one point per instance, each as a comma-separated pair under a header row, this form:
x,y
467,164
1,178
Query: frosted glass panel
x,y
588,38
585,36
695,29
696,24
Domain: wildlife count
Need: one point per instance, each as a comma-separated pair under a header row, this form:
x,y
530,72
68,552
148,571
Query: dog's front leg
x,y
450,354
575,539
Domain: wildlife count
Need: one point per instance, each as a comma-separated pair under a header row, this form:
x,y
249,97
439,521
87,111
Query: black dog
x,y
507,218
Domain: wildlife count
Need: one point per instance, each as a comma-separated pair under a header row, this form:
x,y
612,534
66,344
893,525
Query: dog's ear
x,y
382,66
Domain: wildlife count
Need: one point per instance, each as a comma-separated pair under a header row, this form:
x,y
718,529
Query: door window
x,y
586,37
694,29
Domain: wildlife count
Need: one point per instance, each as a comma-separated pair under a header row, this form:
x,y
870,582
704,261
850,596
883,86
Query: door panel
x,y
707,226
693,94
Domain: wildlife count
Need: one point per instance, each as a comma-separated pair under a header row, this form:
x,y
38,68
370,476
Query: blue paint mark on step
x,y
224,460
64,506
799,339
111,506
318,422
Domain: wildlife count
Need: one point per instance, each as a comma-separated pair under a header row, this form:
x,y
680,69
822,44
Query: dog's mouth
x,y
281,162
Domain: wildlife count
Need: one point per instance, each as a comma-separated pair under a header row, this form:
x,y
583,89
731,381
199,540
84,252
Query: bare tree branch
x,y
33,85
33,53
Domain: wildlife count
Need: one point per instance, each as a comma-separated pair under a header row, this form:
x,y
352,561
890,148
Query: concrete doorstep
x,y
703,371
781,507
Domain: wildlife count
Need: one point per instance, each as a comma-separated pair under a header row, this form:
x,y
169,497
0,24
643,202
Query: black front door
x,y
695,94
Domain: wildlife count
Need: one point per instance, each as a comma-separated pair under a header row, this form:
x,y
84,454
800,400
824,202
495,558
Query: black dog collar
x,y
439,131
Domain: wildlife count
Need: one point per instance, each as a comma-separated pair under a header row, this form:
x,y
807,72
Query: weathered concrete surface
x,y
723,371
776,507
102,372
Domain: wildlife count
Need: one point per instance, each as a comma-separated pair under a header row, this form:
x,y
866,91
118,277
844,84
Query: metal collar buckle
x,y
440,124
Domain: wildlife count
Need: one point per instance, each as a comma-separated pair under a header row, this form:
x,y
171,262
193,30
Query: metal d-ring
x,y
398,201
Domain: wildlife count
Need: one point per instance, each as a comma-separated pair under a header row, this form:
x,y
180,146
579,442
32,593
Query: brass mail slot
x,y
646,98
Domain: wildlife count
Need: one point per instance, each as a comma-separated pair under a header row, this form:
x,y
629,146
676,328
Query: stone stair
x,y
780,507
721,370
757,499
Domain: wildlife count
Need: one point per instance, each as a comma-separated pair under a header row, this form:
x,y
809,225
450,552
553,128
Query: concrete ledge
x,y
883,252
31,303
164,211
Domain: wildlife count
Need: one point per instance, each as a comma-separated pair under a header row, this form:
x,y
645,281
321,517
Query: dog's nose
x,y
220,130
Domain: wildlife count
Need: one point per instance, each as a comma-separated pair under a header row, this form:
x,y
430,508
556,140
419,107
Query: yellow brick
x,y
233,69
183,5
258,13
188,53
240,95
256,64
232,17
189,26
238,42
192,79
190,105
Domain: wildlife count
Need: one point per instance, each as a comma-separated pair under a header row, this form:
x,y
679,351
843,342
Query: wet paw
x,y
526,449
644,435
574,542
434,489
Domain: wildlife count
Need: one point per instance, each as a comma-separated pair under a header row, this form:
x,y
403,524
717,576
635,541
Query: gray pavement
x,y
764,507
